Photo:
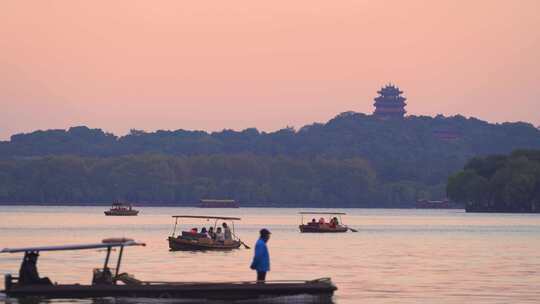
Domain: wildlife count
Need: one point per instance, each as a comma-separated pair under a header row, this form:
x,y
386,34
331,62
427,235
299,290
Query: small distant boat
x,y
333,225
197,241
218,203
109,282
429,204
119,209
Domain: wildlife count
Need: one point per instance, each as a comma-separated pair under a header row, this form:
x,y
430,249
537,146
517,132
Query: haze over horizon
x,y
234,65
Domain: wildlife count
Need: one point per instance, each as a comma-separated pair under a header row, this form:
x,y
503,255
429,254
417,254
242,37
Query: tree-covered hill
x,y
499,183
410,158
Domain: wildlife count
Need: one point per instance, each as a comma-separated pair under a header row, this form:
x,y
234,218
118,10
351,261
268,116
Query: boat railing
x,y
319,280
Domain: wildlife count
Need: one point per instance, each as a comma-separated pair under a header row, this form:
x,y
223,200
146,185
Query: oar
x,y
245,246
352,230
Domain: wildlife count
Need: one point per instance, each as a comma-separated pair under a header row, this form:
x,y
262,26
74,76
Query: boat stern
x,y
326,281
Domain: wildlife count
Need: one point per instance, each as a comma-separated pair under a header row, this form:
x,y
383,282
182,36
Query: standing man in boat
x,y
261,257
227,232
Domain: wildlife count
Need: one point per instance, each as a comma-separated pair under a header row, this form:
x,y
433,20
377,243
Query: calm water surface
x,y
398,256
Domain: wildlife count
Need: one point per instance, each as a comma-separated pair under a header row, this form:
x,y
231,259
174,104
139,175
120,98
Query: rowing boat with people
x,y
121,209
202,240
333,225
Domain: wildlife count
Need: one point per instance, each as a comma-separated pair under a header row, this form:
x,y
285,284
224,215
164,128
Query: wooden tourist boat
x,y
191,241
434,204
119,209
333,225
218,203
109,282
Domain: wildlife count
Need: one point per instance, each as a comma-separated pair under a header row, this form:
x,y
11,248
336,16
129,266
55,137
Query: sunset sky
x,y
211,65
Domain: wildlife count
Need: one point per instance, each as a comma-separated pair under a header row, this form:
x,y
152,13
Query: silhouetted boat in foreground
x,y
108,282
119,209
321,225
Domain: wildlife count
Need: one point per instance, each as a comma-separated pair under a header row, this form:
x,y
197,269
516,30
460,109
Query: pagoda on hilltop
x,y
389,104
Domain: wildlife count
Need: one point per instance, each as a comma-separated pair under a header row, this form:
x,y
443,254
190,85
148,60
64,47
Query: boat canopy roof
x,y
333,213
208,217
106,243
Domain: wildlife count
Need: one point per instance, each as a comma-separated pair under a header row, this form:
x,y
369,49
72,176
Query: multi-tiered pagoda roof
x,y
389,103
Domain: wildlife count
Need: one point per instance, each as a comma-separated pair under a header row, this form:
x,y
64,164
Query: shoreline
x,y
253,205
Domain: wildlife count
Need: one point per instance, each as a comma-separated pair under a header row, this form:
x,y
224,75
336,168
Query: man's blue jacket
x,y
261,259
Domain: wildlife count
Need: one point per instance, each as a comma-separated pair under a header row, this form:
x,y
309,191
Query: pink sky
x,y
210,65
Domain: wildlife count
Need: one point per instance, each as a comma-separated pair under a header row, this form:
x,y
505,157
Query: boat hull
x,y
317,229
210,291
179,244
122,213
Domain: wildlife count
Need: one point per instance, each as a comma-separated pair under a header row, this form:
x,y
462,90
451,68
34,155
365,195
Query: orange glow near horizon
x,y
212,65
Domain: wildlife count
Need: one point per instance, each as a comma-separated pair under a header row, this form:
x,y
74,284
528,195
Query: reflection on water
x,y
405,256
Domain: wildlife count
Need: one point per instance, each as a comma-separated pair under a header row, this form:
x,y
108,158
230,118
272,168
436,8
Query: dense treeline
x,y
499,183
410,159
184,180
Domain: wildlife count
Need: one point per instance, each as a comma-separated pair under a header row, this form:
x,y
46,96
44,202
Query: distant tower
x,y
389,104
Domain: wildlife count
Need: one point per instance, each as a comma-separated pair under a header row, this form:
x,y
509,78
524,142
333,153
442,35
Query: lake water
x,y
397,256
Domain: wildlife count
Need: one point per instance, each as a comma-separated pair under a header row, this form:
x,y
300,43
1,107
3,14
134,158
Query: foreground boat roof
x,y
107,243
335,213
208,217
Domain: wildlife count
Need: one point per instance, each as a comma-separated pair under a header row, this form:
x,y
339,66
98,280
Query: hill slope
x,y
410,158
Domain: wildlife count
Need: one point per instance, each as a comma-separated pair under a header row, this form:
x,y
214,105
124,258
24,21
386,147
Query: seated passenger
x,y
102,277
194,230
313,222
203,232
333,223
321,221
28,274
220,237
211,233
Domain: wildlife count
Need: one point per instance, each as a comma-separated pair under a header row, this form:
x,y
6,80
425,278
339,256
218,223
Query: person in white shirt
x,y
220,237
227,232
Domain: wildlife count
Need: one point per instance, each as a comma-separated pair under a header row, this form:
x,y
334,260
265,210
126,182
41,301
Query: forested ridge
x,y
352,160
499,183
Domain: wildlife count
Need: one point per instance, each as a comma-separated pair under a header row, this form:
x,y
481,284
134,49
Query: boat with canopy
x,y
195,240
109,282
334,224
120,209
